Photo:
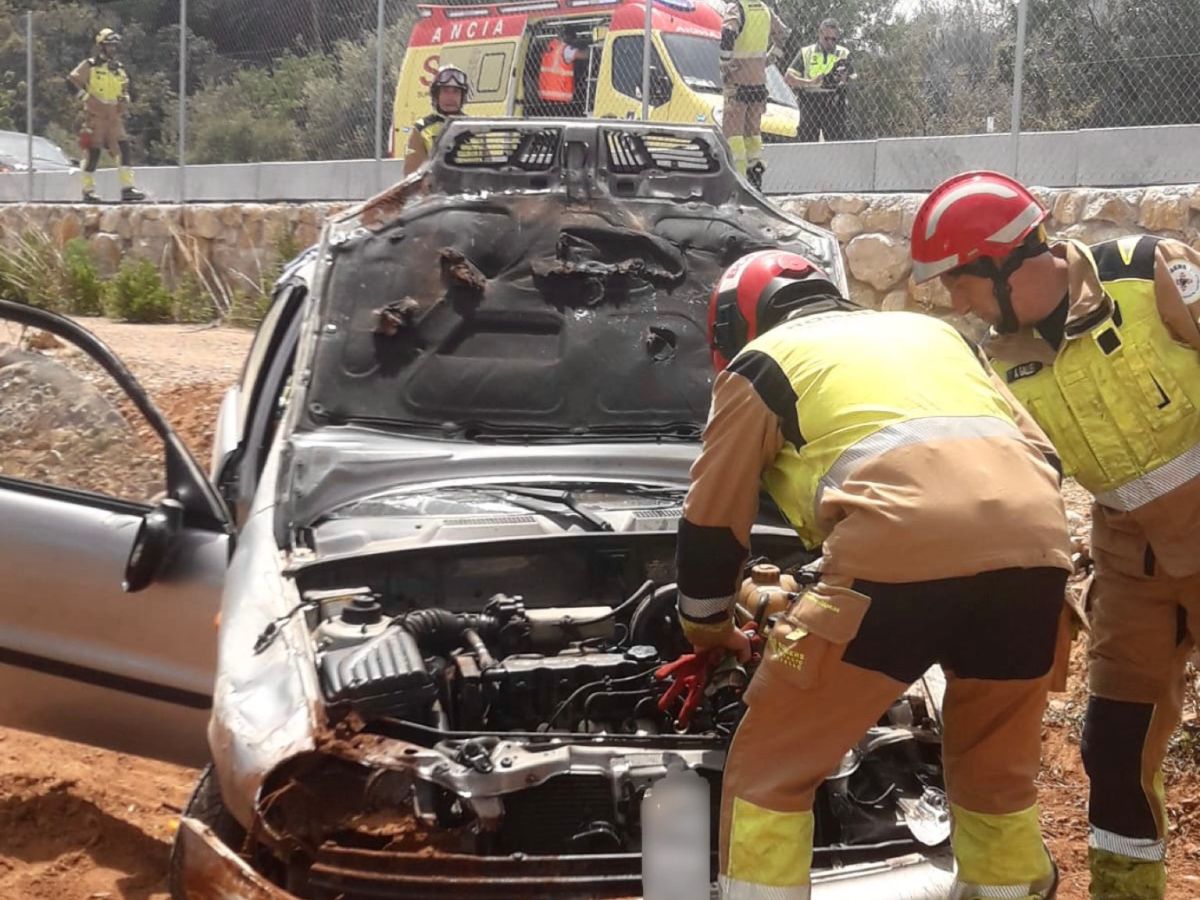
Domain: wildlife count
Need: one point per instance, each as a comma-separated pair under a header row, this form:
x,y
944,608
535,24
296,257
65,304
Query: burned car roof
x,y
540,281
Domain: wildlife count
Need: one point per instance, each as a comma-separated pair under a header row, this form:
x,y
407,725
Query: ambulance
x,y
500,46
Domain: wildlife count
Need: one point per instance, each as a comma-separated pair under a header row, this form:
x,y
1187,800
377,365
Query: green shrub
x,y
247,310
31,271
82,284
193,303
137,294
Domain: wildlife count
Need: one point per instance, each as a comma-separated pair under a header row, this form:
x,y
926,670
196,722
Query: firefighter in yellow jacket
x,y
447,93
102,83
1101,345
884,438
749,31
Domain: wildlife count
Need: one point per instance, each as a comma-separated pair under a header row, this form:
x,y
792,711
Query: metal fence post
x,y
29,100
1018,81
182,102
379,97
647,47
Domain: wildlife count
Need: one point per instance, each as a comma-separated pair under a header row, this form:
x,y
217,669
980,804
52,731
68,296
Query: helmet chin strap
x,y
1002,290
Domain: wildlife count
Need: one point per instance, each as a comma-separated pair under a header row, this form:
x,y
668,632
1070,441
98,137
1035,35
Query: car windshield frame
x,y
697,60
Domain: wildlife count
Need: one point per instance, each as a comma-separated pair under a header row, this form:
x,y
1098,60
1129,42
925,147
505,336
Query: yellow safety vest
x,y
1120,400
429,128
104,84
817,63
851,406
754,39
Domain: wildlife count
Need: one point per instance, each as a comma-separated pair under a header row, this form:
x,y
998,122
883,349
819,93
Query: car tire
x,y
207,806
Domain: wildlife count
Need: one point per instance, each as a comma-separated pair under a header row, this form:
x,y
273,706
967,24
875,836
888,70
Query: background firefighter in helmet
x,y
448,93
558,87
1101,343
102,83
881,436
749,30
820,73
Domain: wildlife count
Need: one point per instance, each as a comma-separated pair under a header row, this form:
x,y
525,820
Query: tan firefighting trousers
x,y
807,705
1142,631
105,127
741,122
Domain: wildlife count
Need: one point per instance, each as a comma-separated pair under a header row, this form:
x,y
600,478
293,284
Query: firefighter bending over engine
x,y
102,83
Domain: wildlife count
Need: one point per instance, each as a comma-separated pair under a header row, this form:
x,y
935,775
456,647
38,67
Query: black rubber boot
x,y
91,197
131,195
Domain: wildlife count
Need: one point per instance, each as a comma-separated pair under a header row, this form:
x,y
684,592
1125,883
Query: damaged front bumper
x,y
211,871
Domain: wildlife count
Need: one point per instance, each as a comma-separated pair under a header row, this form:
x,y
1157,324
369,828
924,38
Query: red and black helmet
x,y
757,292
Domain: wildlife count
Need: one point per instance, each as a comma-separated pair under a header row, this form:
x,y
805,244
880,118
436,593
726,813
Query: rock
x,y
795,207
863,294
928,296
234,265
250,235
1110,207
1164,210
254,212
895,301
156,248
202,222
230,215
306,235
1068,207
67,228
974,329
111,219
886,217
157,227
106,251
846,226
819,212
1094,232
878,259
847,203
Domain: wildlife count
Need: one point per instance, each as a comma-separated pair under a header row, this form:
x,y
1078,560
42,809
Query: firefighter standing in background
x,y
749,31
820,73
448,93
103,85
1101,343
881,436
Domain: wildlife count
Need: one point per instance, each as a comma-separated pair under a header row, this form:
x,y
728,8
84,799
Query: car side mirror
x,y
152,545
660,86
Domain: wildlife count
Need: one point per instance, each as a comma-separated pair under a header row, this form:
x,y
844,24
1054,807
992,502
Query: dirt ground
x,y
78,823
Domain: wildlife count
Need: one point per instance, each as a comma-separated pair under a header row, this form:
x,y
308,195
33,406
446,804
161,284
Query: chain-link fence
x,y
278,80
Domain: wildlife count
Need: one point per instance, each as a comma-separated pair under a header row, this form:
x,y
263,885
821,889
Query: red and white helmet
x,y
757,292
971,216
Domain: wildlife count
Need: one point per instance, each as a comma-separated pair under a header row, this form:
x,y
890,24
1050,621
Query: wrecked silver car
x,y
454,478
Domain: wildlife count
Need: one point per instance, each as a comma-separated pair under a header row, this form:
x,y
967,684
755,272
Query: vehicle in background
x,y
500,47
47,155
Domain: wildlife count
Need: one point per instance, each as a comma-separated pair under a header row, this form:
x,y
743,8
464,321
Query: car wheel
x,y
205,805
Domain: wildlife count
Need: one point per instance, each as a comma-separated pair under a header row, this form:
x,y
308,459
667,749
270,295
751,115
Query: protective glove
x,y
690,674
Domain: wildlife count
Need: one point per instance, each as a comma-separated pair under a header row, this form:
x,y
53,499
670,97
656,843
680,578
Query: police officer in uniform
x,y
820,73
103,85
748,32
448,93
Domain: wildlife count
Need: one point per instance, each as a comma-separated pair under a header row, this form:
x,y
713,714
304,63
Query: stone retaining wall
x,y
238,242
874,231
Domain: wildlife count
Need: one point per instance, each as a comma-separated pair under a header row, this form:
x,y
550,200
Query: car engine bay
x,y
498,725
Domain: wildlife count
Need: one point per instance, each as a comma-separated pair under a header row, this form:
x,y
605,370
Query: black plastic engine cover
x,y
383,676
525,689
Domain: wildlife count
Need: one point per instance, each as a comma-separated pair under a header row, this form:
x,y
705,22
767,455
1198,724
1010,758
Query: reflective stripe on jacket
x,y
818,63
556,78
853,413
1121,399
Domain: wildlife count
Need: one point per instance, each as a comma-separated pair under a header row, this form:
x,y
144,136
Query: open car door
x,y
113,548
